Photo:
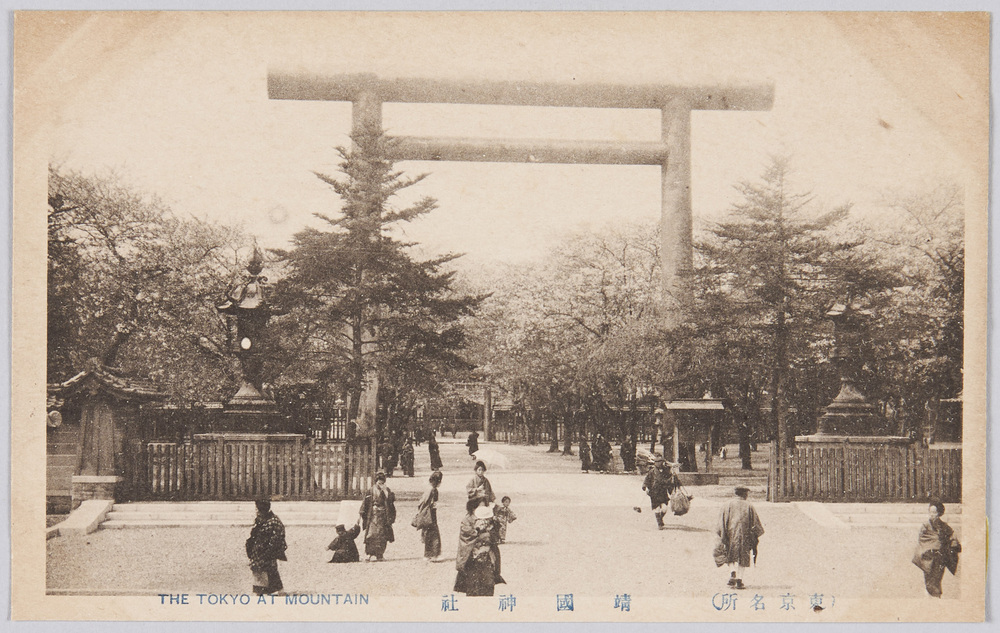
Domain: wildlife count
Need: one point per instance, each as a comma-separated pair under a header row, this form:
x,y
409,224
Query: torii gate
x,y
367,93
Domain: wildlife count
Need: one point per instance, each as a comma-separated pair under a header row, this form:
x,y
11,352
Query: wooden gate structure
x,y
866,472
250,466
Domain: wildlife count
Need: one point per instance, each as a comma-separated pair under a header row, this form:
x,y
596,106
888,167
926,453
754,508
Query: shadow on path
x,y
684,528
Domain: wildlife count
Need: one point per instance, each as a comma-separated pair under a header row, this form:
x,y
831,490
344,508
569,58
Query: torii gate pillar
x,y
675,202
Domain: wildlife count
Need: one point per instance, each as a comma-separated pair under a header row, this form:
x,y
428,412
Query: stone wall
x,y
86,487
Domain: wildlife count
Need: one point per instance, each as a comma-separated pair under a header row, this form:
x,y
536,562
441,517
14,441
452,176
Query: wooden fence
x,y
226,468
865,473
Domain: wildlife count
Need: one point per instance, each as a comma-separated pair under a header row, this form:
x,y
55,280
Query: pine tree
x,y
371,317
765,279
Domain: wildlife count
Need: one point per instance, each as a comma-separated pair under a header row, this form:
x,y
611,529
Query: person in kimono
x,y
378,513
435,452
389,457
473,443
343,546
265,547
601,453
627,452
584,455
937,549
739,531
476,561
479,486
406,458
504,515
431,535
659,484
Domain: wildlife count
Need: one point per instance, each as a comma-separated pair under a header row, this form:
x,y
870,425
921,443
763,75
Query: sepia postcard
x,y
499,316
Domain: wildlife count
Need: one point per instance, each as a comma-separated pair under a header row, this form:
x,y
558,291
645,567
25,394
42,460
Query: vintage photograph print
x,y
500,317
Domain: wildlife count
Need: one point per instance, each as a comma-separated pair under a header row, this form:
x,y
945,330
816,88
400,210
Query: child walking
x,y
504,515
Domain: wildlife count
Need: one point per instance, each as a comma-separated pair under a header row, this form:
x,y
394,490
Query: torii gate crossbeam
x,y
368,92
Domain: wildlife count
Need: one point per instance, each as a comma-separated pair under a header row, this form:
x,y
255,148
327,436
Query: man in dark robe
x,y
584,455
473,443
739,531
343,546
265,547
658,484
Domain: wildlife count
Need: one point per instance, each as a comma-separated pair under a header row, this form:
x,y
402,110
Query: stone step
x,y
218,516
194,522
217,513
58,478
65,431
235,507
904,527
61,447
735,480
891,508
908,519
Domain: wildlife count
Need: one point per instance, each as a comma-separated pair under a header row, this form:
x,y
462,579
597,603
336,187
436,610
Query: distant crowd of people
x,y
599,457
399,451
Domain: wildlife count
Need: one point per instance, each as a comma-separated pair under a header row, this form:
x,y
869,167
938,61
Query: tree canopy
x,y
134,285
582,332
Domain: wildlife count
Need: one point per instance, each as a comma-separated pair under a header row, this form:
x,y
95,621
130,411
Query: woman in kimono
x,y
739,531
378,513
406,458
937,549
435,453
431,535
479,486
475,563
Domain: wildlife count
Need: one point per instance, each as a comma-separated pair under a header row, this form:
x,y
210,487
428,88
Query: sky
x,y
866,106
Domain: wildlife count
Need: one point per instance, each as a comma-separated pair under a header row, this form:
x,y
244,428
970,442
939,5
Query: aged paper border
x,y
27,432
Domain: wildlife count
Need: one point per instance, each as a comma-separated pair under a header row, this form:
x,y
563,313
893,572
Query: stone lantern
x,y
246,304
849,413
849,416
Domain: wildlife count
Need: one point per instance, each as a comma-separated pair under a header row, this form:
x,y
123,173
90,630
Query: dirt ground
x,y
575,532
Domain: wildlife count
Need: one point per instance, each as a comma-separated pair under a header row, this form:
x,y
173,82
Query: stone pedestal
x,y
86,487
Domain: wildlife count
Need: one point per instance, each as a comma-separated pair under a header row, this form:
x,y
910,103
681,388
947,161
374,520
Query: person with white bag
x,y
659,484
